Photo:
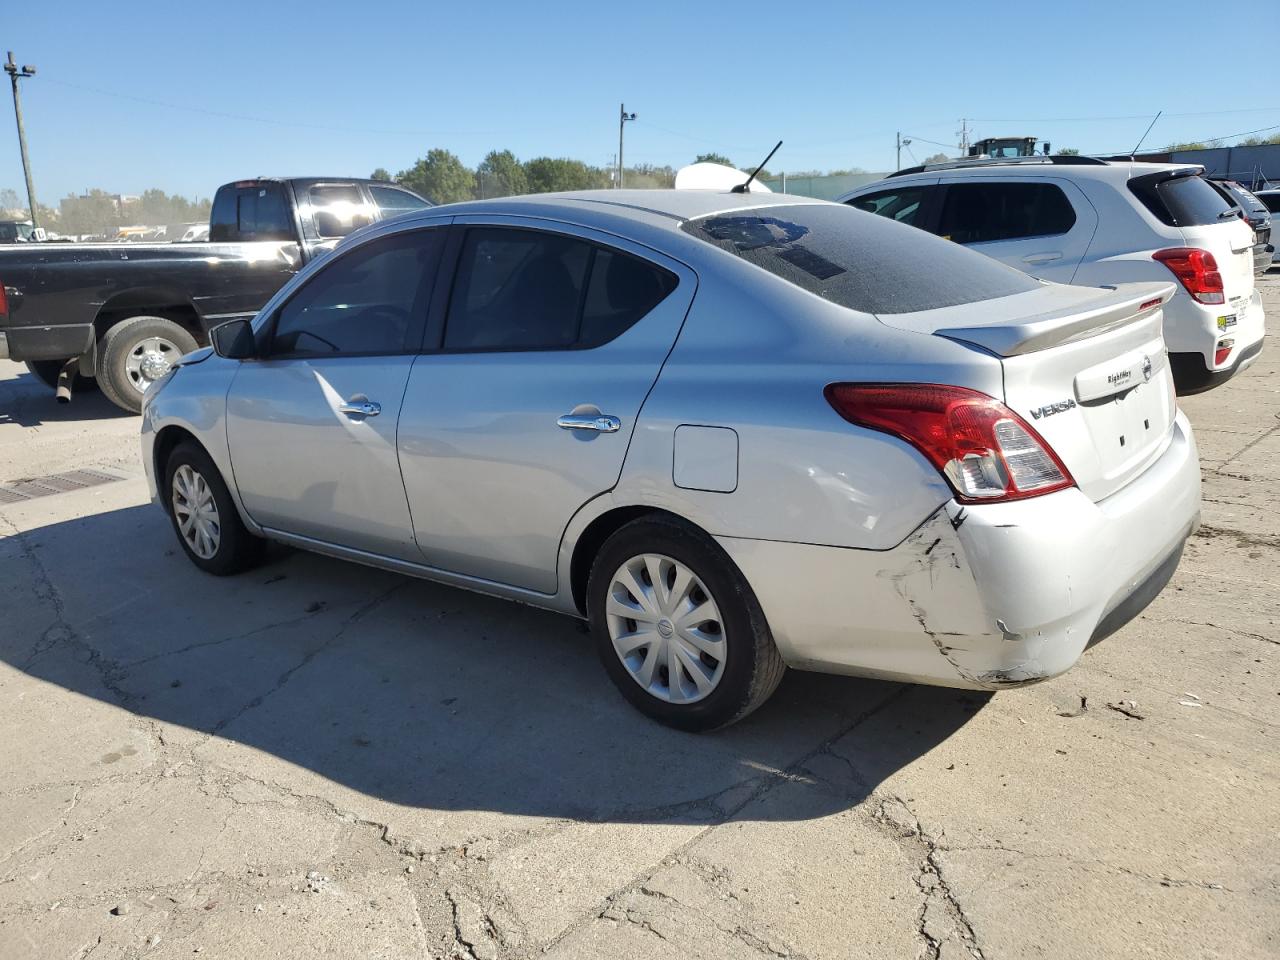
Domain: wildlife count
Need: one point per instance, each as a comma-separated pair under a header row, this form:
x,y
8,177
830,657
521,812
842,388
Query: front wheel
x,y
204,517
678,628
137,352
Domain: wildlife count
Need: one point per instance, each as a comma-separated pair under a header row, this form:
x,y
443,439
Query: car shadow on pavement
x,y
26,401
415,693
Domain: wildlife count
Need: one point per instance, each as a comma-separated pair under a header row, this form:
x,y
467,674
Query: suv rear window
x,y
859,260
1271,201
1181,199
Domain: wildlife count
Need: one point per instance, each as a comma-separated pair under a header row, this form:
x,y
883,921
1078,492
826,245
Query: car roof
x,y
675,205
1109,170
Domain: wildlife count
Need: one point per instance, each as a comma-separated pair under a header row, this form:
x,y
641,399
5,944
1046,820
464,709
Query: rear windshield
x,y
1181,199
859,260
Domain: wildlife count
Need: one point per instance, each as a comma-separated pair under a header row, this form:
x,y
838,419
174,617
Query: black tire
x,y
46,371
237,549
120,341
753,668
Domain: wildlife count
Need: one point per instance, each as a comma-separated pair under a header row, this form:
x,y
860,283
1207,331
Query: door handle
x,y
360,408
599,422
1041,257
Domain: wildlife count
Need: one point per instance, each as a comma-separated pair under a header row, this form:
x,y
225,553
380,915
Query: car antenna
x,y
742,187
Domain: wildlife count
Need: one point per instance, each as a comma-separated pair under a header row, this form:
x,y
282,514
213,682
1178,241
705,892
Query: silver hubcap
x,y
149,360
196,512
666,628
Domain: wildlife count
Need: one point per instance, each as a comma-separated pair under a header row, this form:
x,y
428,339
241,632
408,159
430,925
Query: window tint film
x,y
338,209
861,262
392,202
530,290
986,212
622,289
901,205
1271,201
363,302
1181,199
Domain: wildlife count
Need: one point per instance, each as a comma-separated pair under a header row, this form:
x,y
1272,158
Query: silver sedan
x,y
735,432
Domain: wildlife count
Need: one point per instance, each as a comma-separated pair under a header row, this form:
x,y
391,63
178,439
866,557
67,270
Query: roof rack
x,y
965,162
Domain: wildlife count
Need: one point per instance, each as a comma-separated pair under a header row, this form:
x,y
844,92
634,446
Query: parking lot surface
x,y
322,760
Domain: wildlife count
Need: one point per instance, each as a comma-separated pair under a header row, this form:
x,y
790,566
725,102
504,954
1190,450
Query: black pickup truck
x,y
121,313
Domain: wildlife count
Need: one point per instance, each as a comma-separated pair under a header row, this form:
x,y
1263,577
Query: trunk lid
x,y
1085,367
1231,243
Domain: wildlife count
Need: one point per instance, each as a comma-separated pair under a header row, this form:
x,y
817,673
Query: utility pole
x,y
964,137
901,142
16,74
623,117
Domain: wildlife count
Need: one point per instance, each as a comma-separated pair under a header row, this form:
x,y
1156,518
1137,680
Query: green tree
x,y
548,174
9,199
500,175
1190,145
380,174
1259,141
713,157
439,176
937,158
96,212
1068,152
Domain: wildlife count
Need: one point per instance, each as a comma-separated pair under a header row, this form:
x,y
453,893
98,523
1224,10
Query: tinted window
x,y
622,289
529,290
1181,199
901,205
857,261
393,202
1271,201
255,212
362,302
337,209
984,212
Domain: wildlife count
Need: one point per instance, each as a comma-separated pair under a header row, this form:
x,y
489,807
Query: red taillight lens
x,y
1196,270
1222,352
4,301
985,450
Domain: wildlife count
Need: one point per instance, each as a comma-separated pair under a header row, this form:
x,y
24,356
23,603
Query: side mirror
x,y
234,340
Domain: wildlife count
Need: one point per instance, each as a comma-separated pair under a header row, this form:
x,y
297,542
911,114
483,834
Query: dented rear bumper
x,y
982,596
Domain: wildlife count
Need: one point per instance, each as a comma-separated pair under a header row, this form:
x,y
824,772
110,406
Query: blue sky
x,y
186,95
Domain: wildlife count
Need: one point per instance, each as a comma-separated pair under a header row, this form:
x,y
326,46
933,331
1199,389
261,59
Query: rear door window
x,y
989,212
534,290
904,205
338,209
862,262
1271,201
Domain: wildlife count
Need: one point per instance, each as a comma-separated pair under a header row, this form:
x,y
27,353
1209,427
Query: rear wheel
x,y
678,628
204,517
137,352
46,371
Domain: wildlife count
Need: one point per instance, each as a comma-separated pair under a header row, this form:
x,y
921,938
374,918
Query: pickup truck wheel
x,y
46,371
137,352
204,516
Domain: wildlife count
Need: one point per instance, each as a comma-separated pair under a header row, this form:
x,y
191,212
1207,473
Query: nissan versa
x,y
736,432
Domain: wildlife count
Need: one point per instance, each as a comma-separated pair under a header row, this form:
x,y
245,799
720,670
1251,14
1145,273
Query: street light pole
x,y
623,117
16,74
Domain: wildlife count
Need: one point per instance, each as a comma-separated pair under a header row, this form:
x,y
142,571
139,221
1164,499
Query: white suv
x,y
1093,222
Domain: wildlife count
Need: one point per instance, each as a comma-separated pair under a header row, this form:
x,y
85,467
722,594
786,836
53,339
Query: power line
x,y
272,121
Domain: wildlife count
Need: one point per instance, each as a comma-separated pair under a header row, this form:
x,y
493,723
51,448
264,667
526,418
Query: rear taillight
x,y
985,450
1197,271
4,301
1222,352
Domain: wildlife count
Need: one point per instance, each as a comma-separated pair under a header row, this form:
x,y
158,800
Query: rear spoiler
x,y
1067,325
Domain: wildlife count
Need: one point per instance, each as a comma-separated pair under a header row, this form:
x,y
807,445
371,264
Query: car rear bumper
x,y
47,343
982,596
1192,358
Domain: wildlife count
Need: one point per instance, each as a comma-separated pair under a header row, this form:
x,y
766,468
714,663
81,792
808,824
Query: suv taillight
x,y
1196,270
4,302
985,450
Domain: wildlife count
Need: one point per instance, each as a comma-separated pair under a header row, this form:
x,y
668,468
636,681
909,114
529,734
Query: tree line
x,y
442,177
99,213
